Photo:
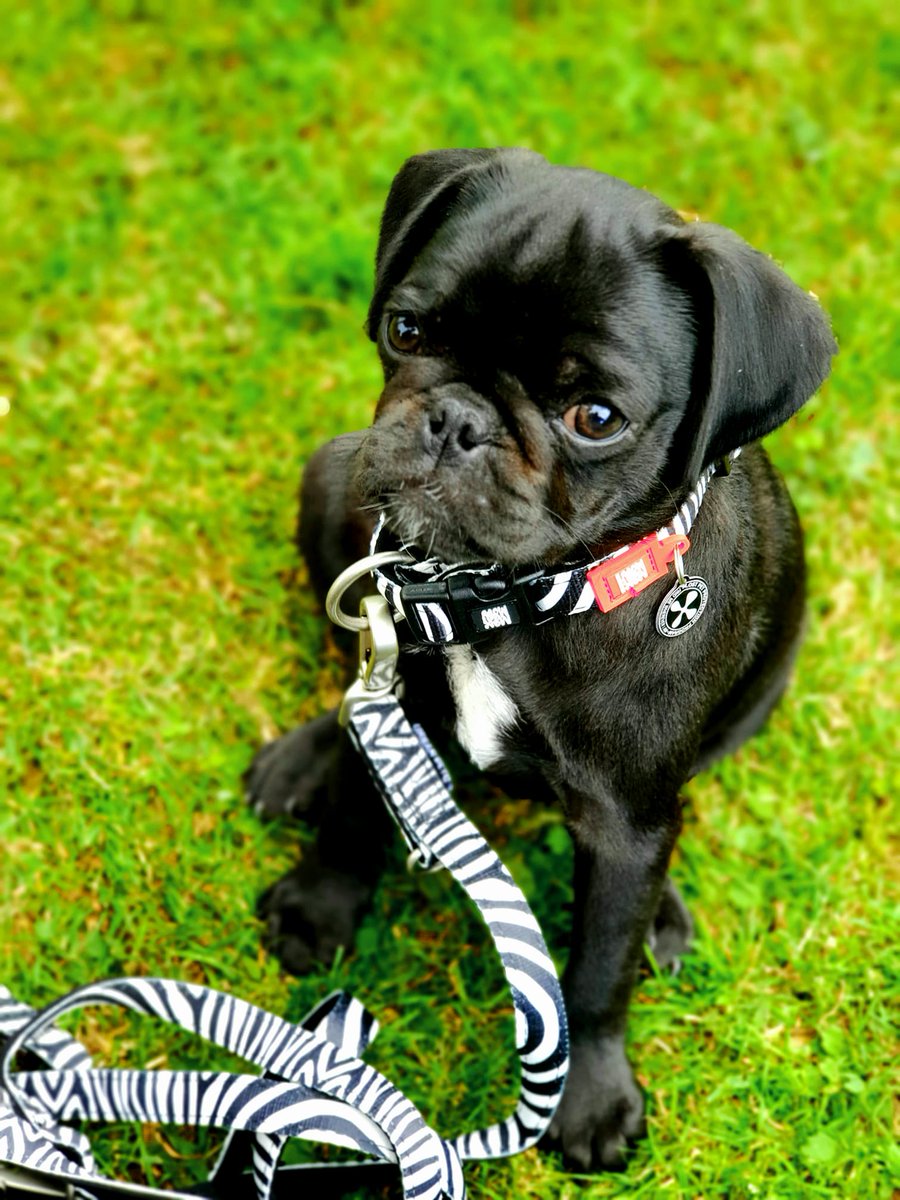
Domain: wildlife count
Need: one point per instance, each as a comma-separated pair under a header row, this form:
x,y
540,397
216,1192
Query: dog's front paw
x,y
309,913
288,777
602,1109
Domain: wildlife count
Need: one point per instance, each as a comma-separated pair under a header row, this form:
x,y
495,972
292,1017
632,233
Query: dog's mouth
x,y
494,510
426,515
436,521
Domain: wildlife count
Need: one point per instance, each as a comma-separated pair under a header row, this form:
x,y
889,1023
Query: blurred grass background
x,y
188,215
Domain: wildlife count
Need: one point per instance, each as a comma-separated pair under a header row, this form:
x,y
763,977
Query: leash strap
x,y
312,1087
453,604
313,1083
402,763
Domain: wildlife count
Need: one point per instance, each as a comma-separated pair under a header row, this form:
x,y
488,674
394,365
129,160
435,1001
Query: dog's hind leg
x,y
671,931
745,713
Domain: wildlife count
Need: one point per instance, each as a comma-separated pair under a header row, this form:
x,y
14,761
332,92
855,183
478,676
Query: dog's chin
x,y
455,533
421,518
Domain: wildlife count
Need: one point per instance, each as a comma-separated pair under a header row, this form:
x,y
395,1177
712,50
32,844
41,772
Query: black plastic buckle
x,y
465,607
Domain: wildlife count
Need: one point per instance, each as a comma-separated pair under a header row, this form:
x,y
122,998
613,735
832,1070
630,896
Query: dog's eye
x,y
403,332
594,421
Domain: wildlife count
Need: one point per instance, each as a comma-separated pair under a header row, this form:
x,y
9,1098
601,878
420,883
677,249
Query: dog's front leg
x,y
317,906
620,869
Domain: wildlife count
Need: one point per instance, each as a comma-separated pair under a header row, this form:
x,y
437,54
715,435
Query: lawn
x,y
189,208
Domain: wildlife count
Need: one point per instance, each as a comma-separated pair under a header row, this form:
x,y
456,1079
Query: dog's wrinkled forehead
x,y
531,281
531,262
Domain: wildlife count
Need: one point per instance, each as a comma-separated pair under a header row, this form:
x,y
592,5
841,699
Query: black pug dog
x,y
563,357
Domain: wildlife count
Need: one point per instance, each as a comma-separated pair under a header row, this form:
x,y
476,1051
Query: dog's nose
x,y
453,429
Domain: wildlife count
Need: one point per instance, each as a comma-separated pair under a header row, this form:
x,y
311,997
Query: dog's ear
x,y
427,189
763,344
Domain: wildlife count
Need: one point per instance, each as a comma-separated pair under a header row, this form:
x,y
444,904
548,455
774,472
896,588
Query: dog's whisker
x,y
567,525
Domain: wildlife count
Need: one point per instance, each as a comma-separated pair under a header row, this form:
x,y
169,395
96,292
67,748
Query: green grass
x,y
188,214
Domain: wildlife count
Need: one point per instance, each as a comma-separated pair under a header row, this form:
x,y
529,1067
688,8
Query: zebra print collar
x,y
451,604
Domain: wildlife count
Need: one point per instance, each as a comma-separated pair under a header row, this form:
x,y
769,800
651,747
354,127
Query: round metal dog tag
x,y
682,607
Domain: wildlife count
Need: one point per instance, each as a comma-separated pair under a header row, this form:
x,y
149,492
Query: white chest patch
x,y
484,711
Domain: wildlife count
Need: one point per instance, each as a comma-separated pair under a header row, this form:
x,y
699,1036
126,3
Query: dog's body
x,y
563,356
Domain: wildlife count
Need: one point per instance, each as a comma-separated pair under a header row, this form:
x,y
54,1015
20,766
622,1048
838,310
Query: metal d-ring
x,y
679,567
346,579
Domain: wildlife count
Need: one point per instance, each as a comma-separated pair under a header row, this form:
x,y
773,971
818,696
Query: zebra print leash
x,y
313,1083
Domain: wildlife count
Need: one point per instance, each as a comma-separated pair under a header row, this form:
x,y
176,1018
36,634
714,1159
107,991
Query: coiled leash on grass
x,y
313,1082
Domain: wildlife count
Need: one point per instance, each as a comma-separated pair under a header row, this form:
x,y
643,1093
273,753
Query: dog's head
x,y
563,355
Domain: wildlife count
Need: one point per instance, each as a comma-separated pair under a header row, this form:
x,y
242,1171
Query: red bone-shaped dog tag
x,y
630,571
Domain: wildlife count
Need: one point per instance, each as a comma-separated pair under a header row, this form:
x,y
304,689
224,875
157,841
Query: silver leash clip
x,y
379,653
379,649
